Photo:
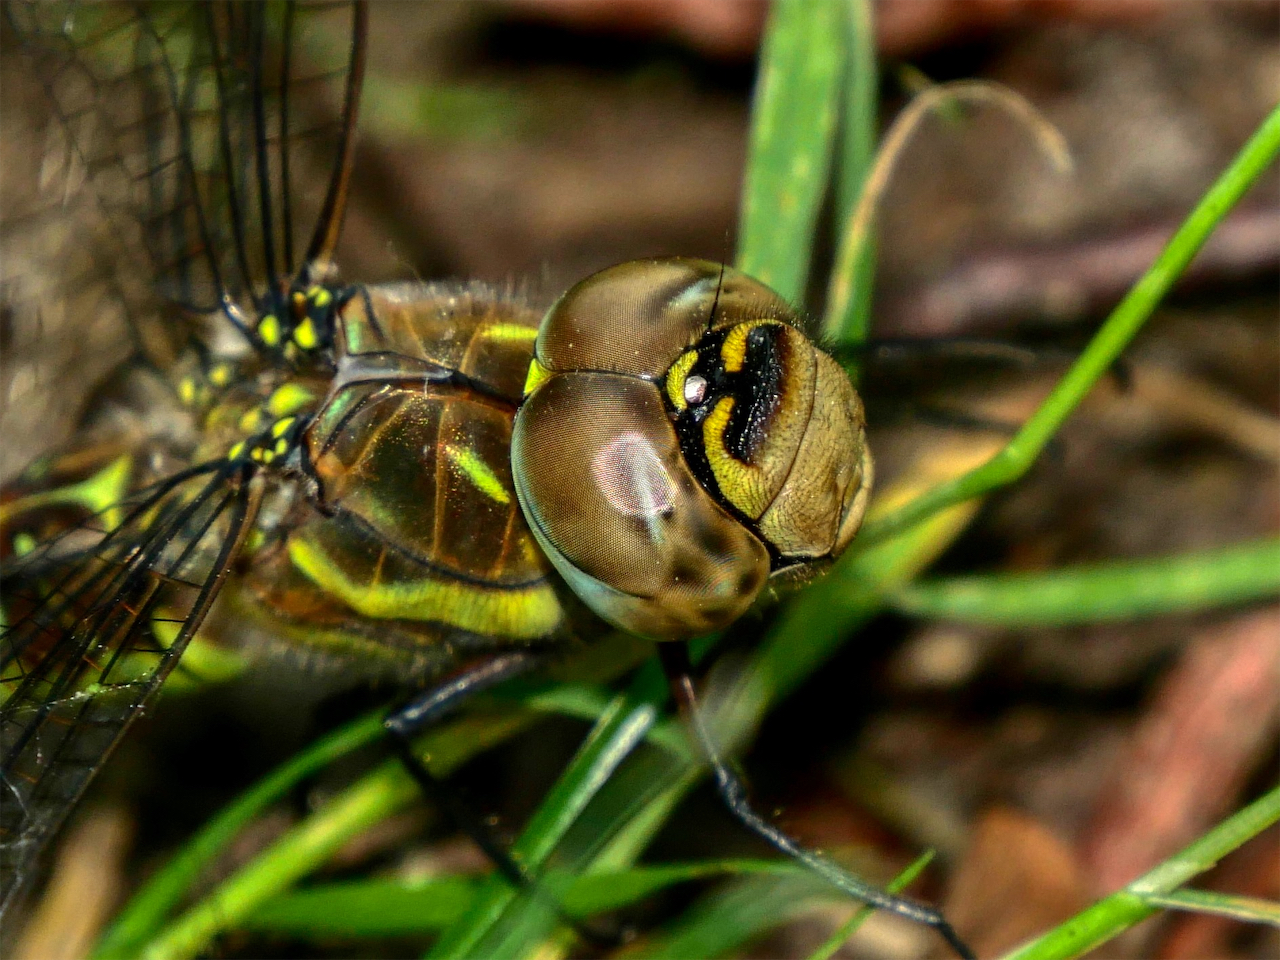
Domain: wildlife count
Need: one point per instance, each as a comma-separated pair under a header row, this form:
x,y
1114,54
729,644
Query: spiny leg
x,y
676,665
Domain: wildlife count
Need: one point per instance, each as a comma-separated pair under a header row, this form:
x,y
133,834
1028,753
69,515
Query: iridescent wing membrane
x,y
214,142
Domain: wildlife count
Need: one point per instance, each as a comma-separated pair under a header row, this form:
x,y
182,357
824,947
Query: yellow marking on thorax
x,y
269,330
288,398
478,472
538,374
304,334
509,332
524,613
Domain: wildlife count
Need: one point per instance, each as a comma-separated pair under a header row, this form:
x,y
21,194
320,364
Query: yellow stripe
x,y
478,472
734,349
509,331
676,377
279,428
99,493
739,484
525,613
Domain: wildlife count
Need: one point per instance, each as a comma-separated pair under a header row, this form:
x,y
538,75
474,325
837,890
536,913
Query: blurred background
x,y
534,142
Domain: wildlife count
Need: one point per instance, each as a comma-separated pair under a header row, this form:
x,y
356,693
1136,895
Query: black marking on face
x,y
757,392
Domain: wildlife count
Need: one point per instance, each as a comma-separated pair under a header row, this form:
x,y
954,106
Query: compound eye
x,y
638,317
608,495
680,440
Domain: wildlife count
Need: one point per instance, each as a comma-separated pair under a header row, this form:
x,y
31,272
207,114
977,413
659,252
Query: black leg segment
x,y
675,663
434,705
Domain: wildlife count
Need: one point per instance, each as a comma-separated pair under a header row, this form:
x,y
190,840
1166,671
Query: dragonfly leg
x,y
432,706
676,665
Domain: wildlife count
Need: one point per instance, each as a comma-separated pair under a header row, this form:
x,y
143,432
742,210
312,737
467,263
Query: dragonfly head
x,y
681,441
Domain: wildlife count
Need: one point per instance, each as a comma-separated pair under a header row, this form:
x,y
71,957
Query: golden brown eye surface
x,y
608,494
680,440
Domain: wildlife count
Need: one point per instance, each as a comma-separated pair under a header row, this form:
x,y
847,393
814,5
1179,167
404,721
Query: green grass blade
x,y
1096,593
1121,910
301,850
366,909
861,104
793,129
847,929
309,845
611,890
727,919
397,908
152,904
616,734
859,122
1114,335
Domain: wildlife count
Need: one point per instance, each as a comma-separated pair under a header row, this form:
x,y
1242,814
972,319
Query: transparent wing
x,y
174,167
216,137
166,166
98,618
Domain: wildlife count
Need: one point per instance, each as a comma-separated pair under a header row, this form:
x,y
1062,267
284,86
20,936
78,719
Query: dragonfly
x,y
437,482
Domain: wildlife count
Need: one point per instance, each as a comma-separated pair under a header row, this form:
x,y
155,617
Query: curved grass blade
x,y
1115,334
398,908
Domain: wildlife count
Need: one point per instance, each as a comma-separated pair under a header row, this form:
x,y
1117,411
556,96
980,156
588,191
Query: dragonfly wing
x,y
94,629
217,137
195,166
165,165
